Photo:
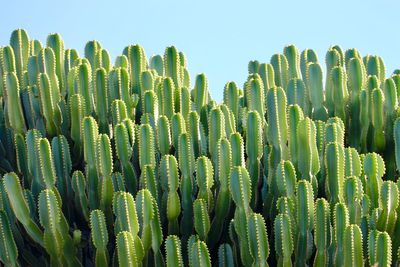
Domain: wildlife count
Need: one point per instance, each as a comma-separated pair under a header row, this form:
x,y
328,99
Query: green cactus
x,y
314,81
186,166
78,183
20,207
126,248
353,250
334,165
19,42
378,119
8,248
356,79
305,221
205,180
374,169
101,99
81,137
283,240
255,94
308,159
353,195
339,92
258,240
286,179
281,69
225,255
99,237
240,188
293,57
379,248
170,185
340,224
172,63
389,202
200,255
322,238
90,134
13,103
173,251
254,150
223,202
201,218
277,125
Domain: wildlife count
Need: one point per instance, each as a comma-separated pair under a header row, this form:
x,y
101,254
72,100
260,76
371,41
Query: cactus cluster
x,y
129,164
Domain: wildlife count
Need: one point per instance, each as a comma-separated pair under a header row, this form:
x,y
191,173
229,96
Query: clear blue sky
x,y
218,37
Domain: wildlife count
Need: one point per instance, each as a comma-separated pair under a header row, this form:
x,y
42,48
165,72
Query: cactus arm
x,y
8,248
321,231
283,240
173,251
201,218
200,255
13,103
340,93
124,140
99,237
126,250
225,255
353,253
78,184
172,65
340,223
305,221
146,145
334,164
255,95
20,207
254,149
308,159
378,119
170,185
258,240
186,165
281,69
101,99
163,135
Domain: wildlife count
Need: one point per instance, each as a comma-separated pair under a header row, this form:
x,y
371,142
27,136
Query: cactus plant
x,y
127,163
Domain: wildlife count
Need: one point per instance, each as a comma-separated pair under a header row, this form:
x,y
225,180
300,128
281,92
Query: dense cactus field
x,y
131,163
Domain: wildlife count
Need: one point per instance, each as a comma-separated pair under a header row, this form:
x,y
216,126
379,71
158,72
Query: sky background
x,y
218,37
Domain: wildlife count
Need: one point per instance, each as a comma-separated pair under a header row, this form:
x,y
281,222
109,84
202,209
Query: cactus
x,y
201,218
254,150
200,255
128,163
334,164
126,250
305,221
225,255
322,227
20,207
170,185
379,248
353,250
308,163
283,240
9,251
173,251
314,78
13,103
258,240
99,236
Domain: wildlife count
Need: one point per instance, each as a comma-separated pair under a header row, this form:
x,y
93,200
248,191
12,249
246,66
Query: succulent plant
x,y
127,163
